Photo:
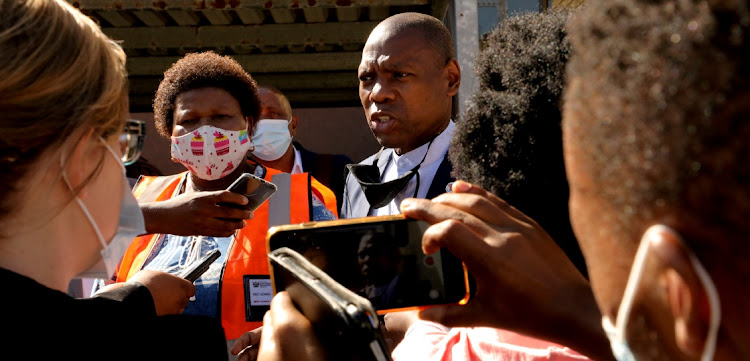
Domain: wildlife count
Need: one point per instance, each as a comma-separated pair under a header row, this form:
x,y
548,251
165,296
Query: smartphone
x,y
379,258
344,321
200,267
256,189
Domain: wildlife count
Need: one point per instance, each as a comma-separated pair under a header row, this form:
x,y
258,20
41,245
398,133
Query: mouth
x,y
382,122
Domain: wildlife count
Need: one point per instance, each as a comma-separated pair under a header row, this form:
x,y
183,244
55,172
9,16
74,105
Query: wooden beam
x,y
348,14
258,36
218,17
118,18
184,17
235,4
258,63
251,16
315,14
151,18
283,16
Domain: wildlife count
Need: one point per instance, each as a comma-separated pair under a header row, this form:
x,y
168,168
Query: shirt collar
x,y
435,153
297,167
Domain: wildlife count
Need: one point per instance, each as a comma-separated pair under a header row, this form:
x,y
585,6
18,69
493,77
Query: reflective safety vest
x,y
246,256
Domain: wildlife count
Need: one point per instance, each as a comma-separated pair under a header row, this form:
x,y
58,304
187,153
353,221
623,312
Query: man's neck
x,y
426,139
284,164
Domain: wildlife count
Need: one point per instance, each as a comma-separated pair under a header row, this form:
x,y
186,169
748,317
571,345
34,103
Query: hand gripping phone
x,y
256,189
346,323
200,267
379,258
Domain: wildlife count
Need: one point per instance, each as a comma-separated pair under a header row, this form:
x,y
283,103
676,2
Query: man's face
x,y
404,89
272,106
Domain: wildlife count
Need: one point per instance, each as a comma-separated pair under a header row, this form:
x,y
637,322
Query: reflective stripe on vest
x,y
246,255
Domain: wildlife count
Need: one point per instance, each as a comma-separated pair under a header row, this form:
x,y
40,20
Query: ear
x,y
685,294
293,126
78,166
250,126
453,74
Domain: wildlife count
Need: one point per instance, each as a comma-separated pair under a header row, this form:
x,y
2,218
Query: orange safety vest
x,y
246,255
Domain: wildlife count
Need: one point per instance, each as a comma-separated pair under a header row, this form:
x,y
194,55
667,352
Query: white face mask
x,y
616,333
211,153
271,139
131,222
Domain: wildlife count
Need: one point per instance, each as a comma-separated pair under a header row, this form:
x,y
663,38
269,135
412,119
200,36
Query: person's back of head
x,y
655,133
510,140
61,78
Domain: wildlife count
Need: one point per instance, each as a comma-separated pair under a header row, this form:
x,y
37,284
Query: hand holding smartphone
x,y
345,323
256,189
379,258
200,267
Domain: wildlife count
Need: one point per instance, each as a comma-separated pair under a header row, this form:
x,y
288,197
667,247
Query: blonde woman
x,y
65,203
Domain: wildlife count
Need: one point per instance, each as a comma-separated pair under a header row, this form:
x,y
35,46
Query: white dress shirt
x,y
297,167
400,164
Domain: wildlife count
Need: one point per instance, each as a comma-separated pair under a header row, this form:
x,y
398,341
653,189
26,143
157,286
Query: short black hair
x,y
436,34
510,139
659,102
205,70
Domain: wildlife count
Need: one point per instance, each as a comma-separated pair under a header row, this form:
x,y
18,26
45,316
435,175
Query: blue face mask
x,y
131,224
616,332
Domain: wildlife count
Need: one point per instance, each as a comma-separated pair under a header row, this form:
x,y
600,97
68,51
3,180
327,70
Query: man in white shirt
x,y
407,79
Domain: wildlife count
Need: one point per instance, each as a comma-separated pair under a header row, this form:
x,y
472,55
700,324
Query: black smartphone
x,y
200,267
344,321
256,189
379,258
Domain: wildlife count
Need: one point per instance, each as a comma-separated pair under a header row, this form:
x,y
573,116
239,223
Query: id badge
x,y
258,295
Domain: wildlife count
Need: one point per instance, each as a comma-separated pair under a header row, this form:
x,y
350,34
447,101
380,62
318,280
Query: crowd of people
x,y
594,189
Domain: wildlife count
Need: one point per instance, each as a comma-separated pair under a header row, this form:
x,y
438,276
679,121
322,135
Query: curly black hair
x,y
658,103
510,140
202,70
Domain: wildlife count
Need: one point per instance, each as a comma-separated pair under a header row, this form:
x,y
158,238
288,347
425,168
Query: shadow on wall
x,y
321,130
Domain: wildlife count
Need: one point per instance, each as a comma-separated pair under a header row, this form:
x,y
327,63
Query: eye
x,y
365,78
399,75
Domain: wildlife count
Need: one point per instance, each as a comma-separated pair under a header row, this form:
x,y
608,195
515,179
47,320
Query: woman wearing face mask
x,y
207,105
65,204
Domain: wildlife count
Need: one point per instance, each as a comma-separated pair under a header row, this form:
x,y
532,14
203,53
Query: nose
x,y
382,92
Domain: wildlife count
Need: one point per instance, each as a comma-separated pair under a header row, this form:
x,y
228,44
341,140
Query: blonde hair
x,y
60,78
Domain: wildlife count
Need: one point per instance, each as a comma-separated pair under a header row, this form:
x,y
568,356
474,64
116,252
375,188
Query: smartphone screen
x,y
256,190
380,260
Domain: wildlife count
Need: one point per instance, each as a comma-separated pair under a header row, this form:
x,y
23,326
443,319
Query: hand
x,y
516,265
396,324
247,345
171,293
196,213
287,334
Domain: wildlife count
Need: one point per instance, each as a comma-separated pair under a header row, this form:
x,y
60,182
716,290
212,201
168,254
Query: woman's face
x,y
207,106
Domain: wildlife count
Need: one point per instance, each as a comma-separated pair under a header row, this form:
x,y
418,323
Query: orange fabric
x,y
245,256
326,195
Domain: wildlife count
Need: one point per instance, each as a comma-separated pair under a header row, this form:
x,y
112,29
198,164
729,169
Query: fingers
x,y
449,225
460,187
248,339
230,197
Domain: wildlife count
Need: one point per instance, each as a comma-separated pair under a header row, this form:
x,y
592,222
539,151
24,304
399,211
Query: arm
x,y
516,265
206,216
167,294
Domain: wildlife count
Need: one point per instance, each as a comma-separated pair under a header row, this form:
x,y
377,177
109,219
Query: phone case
x,y
280,231
346,323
